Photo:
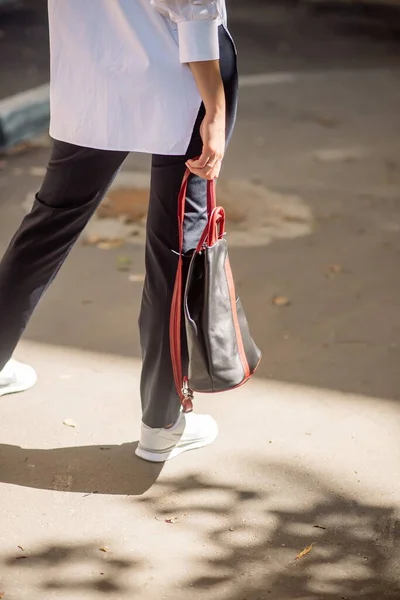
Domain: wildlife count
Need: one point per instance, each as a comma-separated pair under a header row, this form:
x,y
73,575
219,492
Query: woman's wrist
x,y
215,112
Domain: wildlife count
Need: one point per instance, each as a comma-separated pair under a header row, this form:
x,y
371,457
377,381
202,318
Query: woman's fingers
x,y
216,170
206,158
208,174
207,170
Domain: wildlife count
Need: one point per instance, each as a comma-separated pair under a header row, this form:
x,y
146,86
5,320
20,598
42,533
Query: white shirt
x,y
118,75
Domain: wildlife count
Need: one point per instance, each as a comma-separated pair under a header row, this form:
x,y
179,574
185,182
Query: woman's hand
x,y
212,131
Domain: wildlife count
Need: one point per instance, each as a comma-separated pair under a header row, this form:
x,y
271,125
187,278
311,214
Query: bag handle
x,y
216,218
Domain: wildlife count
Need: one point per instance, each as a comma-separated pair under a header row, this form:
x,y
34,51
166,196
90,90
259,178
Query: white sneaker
x,y
16,377
189,432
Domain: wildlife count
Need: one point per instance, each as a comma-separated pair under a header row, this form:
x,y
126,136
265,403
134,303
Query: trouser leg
x,y
160,400
77,179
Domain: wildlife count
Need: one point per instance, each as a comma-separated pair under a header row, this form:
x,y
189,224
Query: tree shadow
x,y
355,545
87,469
74,567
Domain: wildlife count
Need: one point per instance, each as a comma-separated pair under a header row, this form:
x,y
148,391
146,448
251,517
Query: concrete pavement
x,y
308,452
83,518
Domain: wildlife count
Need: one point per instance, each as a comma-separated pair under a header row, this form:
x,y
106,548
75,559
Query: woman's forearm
x,y
208,79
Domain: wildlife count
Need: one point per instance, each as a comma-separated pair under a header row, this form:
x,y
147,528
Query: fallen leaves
x,y
326,121
340,154
69,423
281,301
306,551
103,549
170,520
103,244
138,278
334,270
124,263
2,594
37,171
21,548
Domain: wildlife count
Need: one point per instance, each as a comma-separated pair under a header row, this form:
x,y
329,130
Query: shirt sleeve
x,y
197,23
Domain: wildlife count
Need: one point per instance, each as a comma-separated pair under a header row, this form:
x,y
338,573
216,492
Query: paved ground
x,y
309,451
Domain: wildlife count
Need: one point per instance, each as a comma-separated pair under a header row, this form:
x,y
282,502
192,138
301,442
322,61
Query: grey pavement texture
x,y
308,452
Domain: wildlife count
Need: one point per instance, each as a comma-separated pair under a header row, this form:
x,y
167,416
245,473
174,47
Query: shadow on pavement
x,y
251,534
91,569
85,469
257,538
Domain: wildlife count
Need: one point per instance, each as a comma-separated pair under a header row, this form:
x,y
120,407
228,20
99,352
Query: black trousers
x,y
76,181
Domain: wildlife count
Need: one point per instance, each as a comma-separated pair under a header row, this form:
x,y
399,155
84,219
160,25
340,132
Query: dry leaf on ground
x,y
103,549
138,278
335,269
69,423
21,548
110,244
305,551
102,242
280,301
172,520
2,594
92,240
37,171
326,121
124,263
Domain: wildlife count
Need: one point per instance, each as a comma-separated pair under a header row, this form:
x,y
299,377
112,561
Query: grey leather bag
x,y
222,353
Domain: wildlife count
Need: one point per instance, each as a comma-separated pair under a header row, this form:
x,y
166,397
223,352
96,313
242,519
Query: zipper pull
x,y
187,400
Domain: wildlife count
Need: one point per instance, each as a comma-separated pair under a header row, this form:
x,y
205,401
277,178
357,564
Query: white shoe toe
x,y
16,377
190,432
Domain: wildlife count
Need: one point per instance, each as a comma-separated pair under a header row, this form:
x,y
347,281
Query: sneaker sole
x,y
163,456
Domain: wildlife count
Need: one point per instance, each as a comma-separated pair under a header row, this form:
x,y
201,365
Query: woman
x,y
155,76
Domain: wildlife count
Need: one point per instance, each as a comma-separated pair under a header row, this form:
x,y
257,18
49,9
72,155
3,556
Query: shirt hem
x,y
179,148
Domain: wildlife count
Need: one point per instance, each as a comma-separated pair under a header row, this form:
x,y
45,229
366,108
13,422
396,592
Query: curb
x,y
24,116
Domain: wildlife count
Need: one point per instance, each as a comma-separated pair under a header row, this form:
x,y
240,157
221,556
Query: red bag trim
x,y
239,339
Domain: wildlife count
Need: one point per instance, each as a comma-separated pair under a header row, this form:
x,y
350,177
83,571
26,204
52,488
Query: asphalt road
x,y
284,35
308,454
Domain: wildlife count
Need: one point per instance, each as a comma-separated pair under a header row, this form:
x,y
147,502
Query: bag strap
x,y
182,382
